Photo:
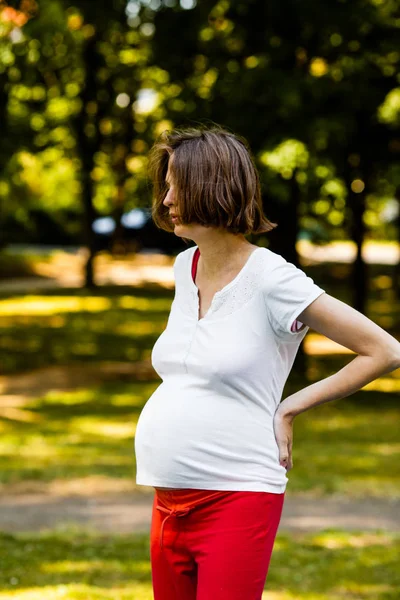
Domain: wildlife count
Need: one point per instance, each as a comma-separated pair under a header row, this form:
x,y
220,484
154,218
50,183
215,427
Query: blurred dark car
x,y
137,233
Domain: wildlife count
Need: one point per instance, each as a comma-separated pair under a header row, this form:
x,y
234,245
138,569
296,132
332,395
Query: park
x,y
86,278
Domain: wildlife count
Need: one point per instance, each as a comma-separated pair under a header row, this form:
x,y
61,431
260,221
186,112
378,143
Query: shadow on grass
x,y
121,323
69,326
88,431
348,446
331,565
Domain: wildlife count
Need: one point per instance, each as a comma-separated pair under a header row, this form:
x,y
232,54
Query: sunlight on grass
x,y
138,303
359,590
138,328
53,305
16,414
384,449
319,345
93,564
93,426
288,596
342,539
91,433
77,396
348,446
82,592
58,438
41,305
334,448
53,321
41,330
130,398
74,564
347,417
384,384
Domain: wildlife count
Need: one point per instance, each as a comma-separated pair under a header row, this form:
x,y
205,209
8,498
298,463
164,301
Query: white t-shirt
x,y
209,424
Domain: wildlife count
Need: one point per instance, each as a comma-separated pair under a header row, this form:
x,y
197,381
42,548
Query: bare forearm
x,y
355,375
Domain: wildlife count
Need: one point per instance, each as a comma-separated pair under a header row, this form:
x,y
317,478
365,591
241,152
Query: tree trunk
x,y
87,144
360,271
284,237
396,274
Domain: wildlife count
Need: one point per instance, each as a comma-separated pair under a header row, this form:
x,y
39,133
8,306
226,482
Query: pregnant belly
x,y
179,439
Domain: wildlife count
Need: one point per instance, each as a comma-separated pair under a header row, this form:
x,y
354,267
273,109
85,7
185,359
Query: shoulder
x,y
272,260
277,268
272,267
283,282
287,291
183,257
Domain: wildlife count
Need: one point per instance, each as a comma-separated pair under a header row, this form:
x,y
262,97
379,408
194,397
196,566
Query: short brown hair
x,y
215,180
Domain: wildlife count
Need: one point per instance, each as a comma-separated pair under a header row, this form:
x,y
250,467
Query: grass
x,y
71,326
121,323
86,436
80,565
349,446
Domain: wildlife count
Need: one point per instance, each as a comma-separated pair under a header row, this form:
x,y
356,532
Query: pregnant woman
x,y
215,439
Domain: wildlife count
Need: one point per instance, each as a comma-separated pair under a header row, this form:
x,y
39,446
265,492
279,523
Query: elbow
x,y
390,360
395,360
392,353
396,363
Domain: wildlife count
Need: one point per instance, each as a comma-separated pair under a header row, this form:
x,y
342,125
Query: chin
x,y
179,229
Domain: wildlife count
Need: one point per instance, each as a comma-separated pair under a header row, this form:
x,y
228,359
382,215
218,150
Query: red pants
x,y
212,545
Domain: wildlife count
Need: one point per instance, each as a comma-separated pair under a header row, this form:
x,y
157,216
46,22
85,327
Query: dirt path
x,y
126,511
131,513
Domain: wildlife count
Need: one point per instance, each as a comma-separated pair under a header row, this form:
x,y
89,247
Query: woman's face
x,y
169,202
191,231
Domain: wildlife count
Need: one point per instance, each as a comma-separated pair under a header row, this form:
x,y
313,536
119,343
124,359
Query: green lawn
x,y
77,565
122,323
77,325
349,446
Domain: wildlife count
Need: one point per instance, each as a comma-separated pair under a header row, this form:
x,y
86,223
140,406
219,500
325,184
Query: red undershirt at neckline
x,y
295,325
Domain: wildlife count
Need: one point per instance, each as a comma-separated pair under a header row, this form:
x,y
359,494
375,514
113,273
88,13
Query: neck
x,y
222,255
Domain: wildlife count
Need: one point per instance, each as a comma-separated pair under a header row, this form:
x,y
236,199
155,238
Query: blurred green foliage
x,y
86,88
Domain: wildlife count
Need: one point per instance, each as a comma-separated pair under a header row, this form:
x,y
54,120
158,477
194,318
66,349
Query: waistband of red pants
x,y
183,498
180,502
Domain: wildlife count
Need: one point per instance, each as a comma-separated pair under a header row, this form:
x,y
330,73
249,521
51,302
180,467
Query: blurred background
x,y
86,278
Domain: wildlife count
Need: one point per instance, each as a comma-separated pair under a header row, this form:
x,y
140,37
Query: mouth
x,y
174,219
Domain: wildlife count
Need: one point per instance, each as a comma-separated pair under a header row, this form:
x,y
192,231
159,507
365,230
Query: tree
x,y
315,74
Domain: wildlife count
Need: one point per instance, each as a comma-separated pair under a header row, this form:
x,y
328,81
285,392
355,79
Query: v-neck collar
x,y
222,291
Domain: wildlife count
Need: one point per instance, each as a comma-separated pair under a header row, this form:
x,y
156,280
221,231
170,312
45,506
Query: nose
x,y
168,199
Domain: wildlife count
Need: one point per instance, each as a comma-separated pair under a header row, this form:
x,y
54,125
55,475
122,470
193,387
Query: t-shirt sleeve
x,y
287,292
